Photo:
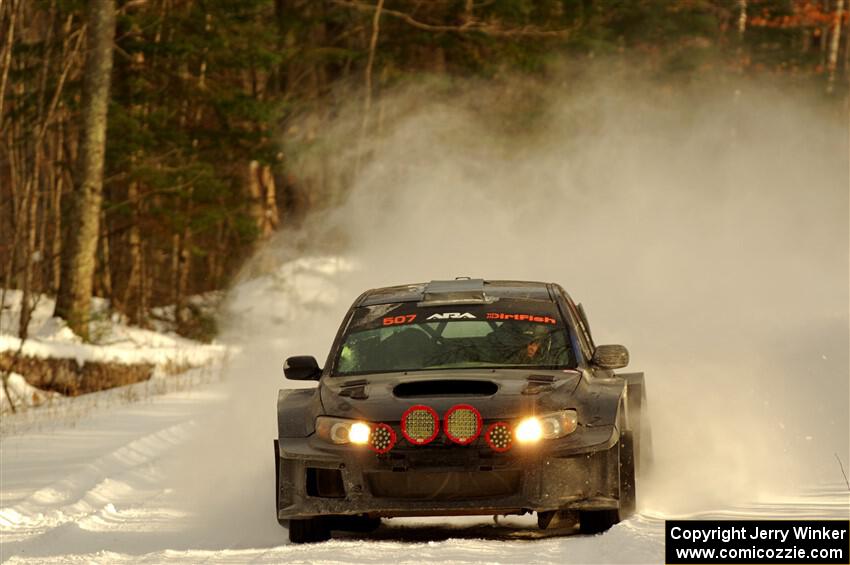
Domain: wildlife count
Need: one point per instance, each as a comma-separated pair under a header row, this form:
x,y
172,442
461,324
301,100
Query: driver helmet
x,y
537,333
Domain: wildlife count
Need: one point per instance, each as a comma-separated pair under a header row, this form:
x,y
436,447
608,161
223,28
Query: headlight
x,y
546,426
359,433
529,430
342,431
558,424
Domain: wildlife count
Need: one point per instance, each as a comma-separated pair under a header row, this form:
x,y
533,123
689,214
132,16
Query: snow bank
x,y
112,340
23,394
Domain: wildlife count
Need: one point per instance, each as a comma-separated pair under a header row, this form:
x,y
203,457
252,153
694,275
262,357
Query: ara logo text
x,y
451,316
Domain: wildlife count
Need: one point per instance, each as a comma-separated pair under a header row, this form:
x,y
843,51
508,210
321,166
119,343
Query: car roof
x,y
457,291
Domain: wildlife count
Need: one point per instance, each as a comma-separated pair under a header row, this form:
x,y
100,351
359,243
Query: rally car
x,y
460,397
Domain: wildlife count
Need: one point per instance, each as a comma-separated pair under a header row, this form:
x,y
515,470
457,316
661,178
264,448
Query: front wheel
x,y
597,521
308,530
357,524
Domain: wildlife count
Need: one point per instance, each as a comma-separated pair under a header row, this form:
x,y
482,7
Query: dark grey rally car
x,y
460,397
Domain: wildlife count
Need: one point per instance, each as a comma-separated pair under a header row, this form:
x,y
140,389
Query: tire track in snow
x,y
95,488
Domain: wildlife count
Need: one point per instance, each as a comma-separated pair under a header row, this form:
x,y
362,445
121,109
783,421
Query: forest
x,y
147,147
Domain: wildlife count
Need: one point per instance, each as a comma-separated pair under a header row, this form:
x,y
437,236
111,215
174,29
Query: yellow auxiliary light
x,y
359,433
529,430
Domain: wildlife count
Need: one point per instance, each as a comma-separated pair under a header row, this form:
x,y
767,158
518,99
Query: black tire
x,y
309,530
598,521
545,518
359,524
557,519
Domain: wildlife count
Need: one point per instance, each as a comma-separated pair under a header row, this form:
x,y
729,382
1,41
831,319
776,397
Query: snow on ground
x,y
23,394
40,410
186,476
113,341
100,493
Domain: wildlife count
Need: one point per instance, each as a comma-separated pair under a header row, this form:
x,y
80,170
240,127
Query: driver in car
x,y
533,347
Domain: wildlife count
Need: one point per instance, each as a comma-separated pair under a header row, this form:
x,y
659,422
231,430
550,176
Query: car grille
x,y
444,486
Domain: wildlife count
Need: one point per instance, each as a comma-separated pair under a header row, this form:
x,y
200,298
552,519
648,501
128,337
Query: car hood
x,y
496,394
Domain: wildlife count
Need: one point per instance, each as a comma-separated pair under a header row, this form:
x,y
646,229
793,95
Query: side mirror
x,y
302,368
610,356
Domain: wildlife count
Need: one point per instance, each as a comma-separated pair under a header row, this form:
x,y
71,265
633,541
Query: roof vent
x,y
458,291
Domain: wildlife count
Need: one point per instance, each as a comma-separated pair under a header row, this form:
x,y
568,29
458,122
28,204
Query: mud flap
x,y
627,476
623,468
284,523
638,422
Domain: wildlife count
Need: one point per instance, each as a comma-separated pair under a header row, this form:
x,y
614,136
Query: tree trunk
x,y
75,289
367,102
833,46
30,208
181,265
131,299
262,205
6,56
56,243
742,18
105,262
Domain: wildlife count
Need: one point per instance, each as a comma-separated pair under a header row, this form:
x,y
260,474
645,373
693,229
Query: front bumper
x,y
575,472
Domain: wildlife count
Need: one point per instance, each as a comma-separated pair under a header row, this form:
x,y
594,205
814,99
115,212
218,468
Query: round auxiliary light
x,y
499,436
420,424
462,423
382,439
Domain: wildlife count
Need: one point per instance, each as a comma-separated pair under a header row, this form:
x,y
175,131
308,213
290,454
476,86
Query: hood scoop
x,y
355,389
538,383
445,387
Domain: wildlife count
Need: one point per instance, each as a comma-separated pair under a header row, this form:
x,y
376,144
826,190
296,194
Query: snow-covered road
x,y
110,489
712,242
104,491
184,474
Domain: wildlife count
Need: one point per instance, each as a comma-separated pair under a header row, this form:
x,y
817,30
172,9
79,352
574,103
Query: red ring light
x,y
447,428
503,440
382,438
434,416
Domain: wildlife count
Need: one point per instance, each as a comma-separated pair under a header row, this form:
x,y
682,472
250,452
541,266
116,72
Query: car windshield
x,y
407,337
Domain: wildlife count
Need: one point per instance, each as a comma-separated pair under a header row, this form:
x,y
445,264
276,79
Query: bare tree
x,y
78,261
742,18
367,102
833,46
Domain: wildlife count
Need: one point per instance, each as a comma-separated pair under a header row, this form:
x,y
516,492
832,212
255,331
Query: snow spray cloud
x,y
704,227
